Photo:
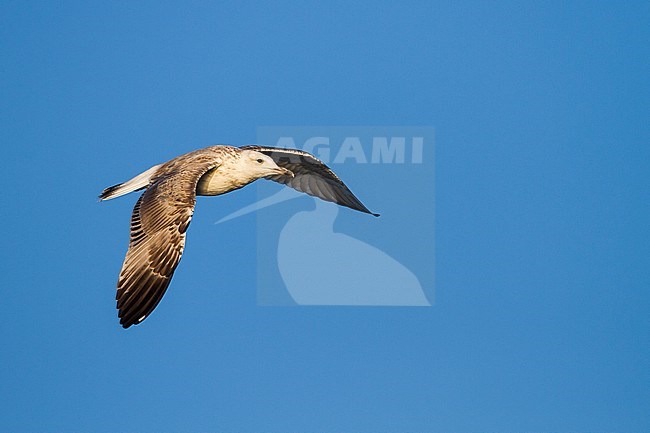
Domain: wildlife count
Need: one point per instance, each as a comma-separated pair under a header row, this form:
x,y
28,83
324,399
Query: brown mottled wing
x,y
311,176
158,224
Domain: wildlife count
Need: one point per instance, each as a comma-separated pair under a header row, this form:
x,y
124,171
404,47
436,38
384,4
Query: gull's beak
x,y
284,172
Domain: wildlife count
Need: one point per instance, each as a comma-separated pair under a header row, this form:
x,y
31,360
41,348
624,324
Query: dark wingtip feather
x,y
125,320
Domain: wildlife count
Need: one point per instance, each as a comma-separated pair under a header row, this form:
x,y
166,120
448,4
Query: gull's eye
x,y
260,160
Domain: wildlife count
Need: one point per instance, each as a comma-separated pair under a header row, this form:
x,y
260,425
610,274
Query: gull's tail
x,y
139,182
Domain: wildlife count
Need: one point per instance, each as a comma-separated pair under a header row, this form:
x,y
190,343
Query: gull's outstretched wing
x,y
158,224
311,176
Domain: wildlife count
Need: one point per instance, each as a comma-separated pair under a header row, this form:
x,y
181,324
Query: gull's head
x,y
258,165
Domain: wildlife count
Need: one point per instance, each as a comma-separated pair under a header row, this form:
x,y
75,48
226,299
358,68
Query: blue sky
x,y
540,320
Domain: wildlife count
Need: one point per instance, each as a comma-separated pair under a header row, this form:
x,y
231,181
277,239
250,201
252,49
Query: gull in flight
x,y
164,211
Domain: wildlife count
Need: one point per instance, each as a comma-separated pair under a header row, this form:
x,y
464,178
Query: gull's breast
x,y
219,181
